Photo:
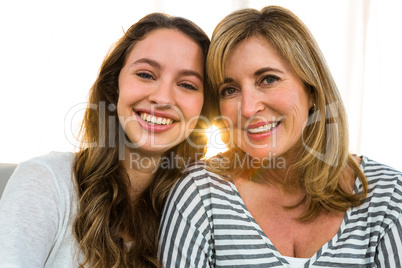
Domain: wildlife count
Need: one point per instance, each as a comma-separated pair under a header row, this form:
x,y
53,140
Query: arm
x,y
389,250
185,233
28,217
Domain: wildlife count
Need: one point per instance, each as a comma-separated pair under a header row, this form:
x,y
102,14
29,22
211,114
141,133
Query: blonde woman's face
x,y
262,100
161,90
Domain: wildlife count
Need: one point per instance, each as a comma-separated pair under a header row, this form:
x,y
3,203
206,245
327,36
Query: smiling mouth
x,y
263,128
155,120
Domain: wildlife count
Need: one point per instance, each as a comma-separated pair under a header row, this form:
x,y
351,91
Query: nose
x,y
251,102
163,94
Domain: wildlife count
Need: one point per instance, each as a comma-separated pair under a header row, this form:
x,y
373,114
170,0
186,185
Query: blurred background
x,y
51,51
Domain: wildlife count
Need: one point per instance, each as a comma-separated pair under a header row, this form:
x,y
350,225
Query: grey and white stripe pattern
x,y
206,224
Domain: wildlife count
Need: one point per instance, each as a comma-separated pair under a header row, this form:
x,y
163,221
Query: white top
x,y
37,211
296,262
205,223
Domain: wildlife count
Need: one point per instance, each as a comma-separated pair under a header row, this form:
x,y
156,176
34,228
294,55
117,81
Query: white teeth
x,y
153,120
263,128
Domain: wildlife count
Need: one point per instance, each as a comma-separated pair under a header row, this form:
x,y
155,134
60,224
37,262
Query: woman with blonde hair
x,y
101,206
287,193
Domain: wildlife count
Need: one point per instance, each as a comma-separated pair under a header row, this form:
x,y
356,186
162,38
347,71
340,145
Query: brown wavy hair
x,y
325,155
105,209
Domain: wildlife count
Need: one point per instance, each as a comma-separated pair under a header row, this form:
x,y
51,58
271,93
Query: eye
x,y
145,75
228,92
188,86
269,80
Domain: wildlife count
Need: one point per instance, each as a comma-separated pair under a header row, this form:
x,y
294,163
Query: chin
x,y
260,153
158,146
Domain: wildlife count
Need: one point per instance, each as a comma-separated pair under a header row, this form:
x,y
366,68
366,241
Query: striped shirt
x,y
206,224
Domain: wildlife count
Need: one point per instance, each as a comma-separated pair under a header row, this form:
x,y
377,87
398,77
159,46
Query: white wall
x,y
50,53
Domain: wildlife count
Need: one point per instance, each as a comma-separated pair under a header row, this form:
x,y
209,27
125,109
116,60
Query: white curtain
x,y
50,53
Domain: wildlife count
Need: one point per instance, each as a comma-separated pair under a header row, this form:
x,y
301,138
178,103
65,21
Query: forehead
x,y
168,46
165,38
164,34
254,50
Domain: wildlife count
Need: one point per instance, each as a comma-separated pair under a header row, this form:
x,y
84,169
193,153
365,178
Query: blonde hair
x,y
322,162
105,210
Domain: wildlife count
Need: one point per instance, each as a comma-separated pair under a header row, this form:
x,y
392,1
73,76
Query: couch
x,y
5,172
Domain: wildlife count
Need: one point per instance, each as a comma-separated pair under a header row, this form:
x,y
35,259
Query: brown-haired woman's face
x,y
161,90
263,100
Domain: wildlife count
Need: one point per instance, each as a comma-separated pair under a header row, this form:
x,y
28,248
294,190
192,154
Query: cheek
x,y
123,105
124,115
132,90
130,97
291,103
119,107
229,112
301,108
296,111
191,109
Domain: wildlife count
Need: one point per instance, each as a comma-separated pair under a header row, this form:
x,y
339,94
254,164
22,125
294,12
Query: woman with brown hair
x,y
101,206
287,193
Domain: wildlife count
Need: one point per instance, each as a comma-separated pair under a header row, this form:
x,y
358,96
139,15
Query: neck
x,y
141,169
277,186
280,174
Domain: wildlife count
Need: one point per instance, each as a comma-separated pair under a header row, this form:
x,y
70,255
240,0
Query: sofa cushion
x,y
5,173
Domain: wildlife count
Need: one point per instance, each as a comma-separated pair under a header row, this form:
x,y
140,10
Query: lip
x,y
263,135
154,128
262,123
157,113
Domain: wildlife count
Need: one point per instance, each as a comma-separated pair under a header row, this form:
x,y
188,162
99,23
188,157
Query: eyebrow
x,y
193,73
267,69
155,64
226,80
148,61
257,73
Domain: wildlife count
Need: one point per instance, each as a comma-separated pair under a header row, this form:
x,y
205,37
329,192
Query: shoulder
x,y
197,187
55,164
379,175
54,161
198,177
51,170
384,191
36,210
42,185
